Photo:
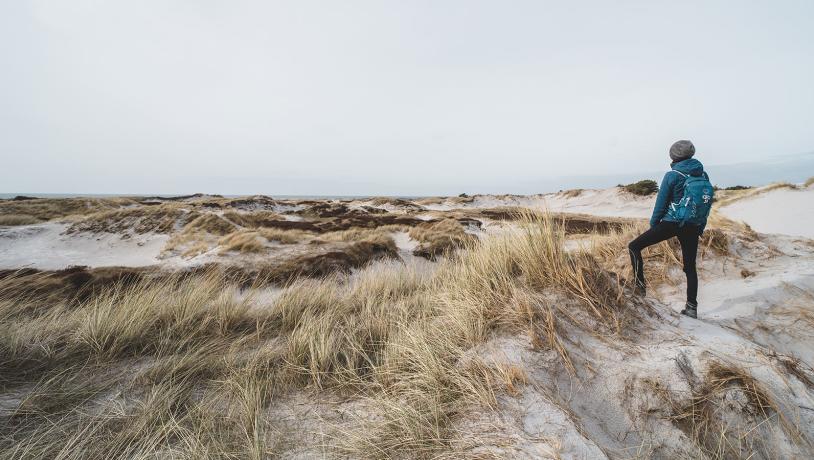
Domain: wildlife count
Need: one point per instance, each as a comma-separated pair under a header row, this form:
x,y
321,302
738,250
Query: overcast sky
x,y
390,97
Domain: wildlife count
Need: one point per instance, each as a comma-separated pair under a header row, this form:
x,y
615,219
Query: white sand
x,y
44,246
607,202
785,211
610,409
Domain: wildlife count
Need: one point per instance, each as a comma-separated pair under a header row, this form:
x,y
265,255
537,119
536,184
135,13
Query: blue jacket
x,y
672,189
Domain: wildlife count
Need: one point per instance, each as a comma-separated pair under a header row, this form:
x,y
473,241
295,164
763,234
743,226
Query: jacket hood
x,y
690,166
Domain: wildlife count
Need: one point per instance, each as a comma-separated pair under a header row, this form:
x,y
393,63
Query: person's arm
x,y
704,225
662,200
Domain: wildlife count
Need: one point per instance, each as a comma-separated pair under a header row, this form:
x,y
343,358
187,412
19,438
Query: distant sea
x,y
783,168
8,196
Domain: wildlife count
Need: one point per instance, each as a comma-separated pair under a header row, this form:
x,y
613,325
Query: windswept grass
x,y
252,219
186,367
363,233
440,238
18,219
255,240
52,208
161,218
729,413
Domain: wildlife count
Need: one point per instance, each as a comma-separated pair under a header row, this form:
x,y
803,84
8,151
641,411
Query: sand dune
x,y
370,339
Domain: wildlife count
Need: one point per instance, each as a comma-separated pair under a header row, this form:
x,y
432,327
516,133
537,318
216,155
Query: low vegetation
x,y
734,187
163,218
707,417
18,219
645,187
440,238
186,368
44,209
209,362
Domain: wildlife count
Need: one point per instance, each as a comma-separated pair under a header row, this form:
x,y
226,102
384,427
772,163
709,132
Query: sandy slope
x,y
45,246
605,202
785,211
755,306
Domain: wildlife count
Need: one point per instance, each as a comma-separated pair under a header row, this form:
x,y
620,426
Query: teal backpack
x,y
694,206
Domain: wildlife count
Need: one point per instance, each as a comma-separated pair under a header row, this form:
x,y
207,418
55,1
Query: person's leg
x,y
654,235
688,237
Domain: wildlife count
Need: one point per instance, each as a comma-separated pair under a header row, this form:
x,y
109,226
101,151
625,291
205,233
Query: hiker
x,y
681,210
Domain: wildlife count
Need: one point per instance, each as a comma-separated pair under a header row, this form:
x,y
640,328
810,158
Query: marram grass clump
x,y
192,366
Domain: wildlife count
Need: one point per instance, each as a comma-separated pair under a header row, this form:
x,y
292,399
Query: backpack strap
x,y
682,174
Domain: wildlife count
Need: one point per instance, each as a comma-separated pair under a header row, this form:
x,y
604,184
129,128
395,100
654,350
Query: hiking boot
x,y
690,310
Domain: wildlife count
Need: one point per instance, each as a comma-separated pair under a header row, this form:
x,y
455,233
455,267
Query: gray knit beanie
x,y
681,151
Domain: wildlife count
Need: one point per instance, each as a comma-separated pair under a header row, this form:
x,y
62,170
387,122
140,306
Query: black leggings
x,y
687,236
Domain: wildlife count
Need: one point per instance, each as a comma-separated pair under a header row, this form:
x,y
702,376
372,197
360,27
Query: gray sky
x,y
390,97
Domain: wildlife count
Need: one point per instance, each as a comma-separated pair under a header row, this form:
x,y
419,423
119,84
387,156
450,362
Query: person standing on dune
x,y
681,210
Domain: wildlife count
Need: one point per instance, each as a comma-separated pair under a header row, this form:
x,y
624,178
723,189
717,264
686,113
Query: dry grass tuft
x,y
252,241
18,219
440,238
209,223
573,193
716,240
163,218
185,367
201,234
729,413
252,219
809,182
242,241
794,366
52,208
381,233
